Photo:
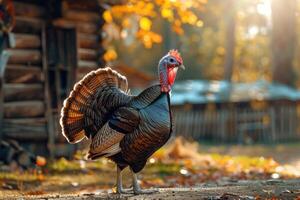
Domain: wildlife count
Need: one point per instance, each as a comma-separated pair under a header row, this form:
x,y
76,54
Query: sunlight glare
x,y
264,8
252,31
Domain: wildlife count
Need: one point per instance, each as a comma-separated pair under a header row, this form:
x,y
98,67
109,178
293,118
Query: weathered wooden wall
x,y
24,105
33,89
87,19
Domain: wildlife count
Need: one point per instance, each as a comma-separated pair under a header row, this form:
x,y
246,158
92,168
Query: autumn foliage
x,y
136,19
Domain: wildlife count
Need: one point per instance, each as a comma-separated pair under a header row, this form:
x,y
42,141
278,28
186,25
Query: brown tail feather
x,y
72,118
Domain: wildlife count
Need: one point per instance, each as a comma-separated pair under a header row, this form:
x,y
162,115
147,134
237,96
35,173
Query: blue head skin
x,y
167,69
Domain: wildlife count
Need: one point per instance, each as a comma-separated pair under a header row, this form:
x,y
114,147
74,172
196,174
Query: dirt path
x,y
244,190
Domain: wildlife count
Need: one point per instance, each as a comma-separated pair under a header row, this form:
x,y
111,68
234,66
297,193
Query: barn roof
x,y
201,92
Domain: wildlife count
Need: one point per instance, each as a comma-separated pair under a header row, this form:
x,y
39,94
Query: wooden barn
x,y
226,112
52,44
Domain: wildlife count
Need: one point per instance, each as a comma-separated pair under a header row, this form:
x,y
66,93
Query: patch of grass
x,y
244,162
163,169
63,165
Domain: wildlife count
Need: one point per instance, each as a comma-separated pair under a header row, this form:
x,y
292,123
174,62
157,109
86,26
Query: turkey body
x,y
126,129
153,131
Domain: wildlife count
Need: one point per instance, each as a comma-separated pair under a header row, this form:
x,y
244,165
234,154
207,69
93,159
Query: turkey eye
x,y
172,60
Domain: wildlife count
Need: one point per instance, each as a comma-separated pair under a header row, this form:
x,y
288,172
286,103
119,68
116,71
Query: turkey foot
x,y
123,191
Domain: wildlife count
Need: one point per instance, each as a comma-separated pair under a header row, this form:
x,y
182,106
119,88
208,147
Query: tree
x,y
230,40
283,40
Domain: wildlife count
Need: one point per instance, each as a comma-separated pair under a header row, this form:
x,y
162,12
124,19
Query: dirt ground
x,y
240,190
182,171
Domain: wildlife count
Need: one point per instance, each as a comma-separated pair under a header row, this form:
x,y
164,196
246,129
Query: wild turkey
x,y
126,129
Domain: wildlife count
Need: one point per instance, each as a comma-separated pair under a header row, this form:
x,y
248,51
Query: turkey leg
x,y
136,186
120,189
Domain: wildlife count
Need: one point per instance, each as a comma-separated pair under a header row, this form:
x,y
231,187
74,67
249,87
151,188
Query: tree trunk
x,y
230,40
283,40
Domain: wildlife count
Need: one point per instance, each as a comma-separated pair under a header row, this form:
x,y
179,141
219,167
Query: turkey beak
x,y
182,66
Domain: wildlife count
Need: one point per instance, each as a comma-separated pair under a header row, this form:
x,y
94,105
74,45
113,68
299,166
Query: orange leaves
x,y
141,8
107,16
189,167
110,55
143,12
145,24
188,17
167,13
126,23
177,28
148,38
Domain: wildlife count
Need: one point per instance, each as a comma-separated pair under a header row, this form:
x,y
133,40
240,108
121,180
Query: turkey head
x,y
167,69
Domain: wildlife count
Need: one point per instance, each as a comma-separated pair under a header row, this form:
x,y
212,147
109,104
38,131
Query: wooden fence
x,y
240,125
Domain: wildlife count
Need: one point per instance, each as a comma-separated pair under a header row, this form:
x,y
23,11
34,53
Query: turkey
x,y
124,128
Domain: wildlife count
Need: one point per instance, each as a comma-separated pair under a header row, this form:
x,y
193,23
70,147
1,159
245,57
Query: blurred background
x,y
239,95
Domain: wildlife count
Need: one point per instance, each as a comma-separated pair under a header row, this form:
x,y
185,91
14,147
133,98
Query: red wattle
x,y
172,72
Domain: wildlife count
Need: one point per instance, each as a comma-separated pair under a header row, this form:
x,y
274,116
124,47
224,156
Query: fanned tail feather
x,y
74,116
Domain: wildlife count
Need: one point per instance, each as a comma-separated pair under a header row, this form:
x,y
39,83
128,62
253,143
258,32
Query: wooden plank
x,y
4,56
33,129
23,92
87,54
27,41
87,64
24,56
32,126
27,25
46,93
24,109
82,27
82,16
199,124
26,133
23,74
273,124
88,41
28,10
82,5
26,121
